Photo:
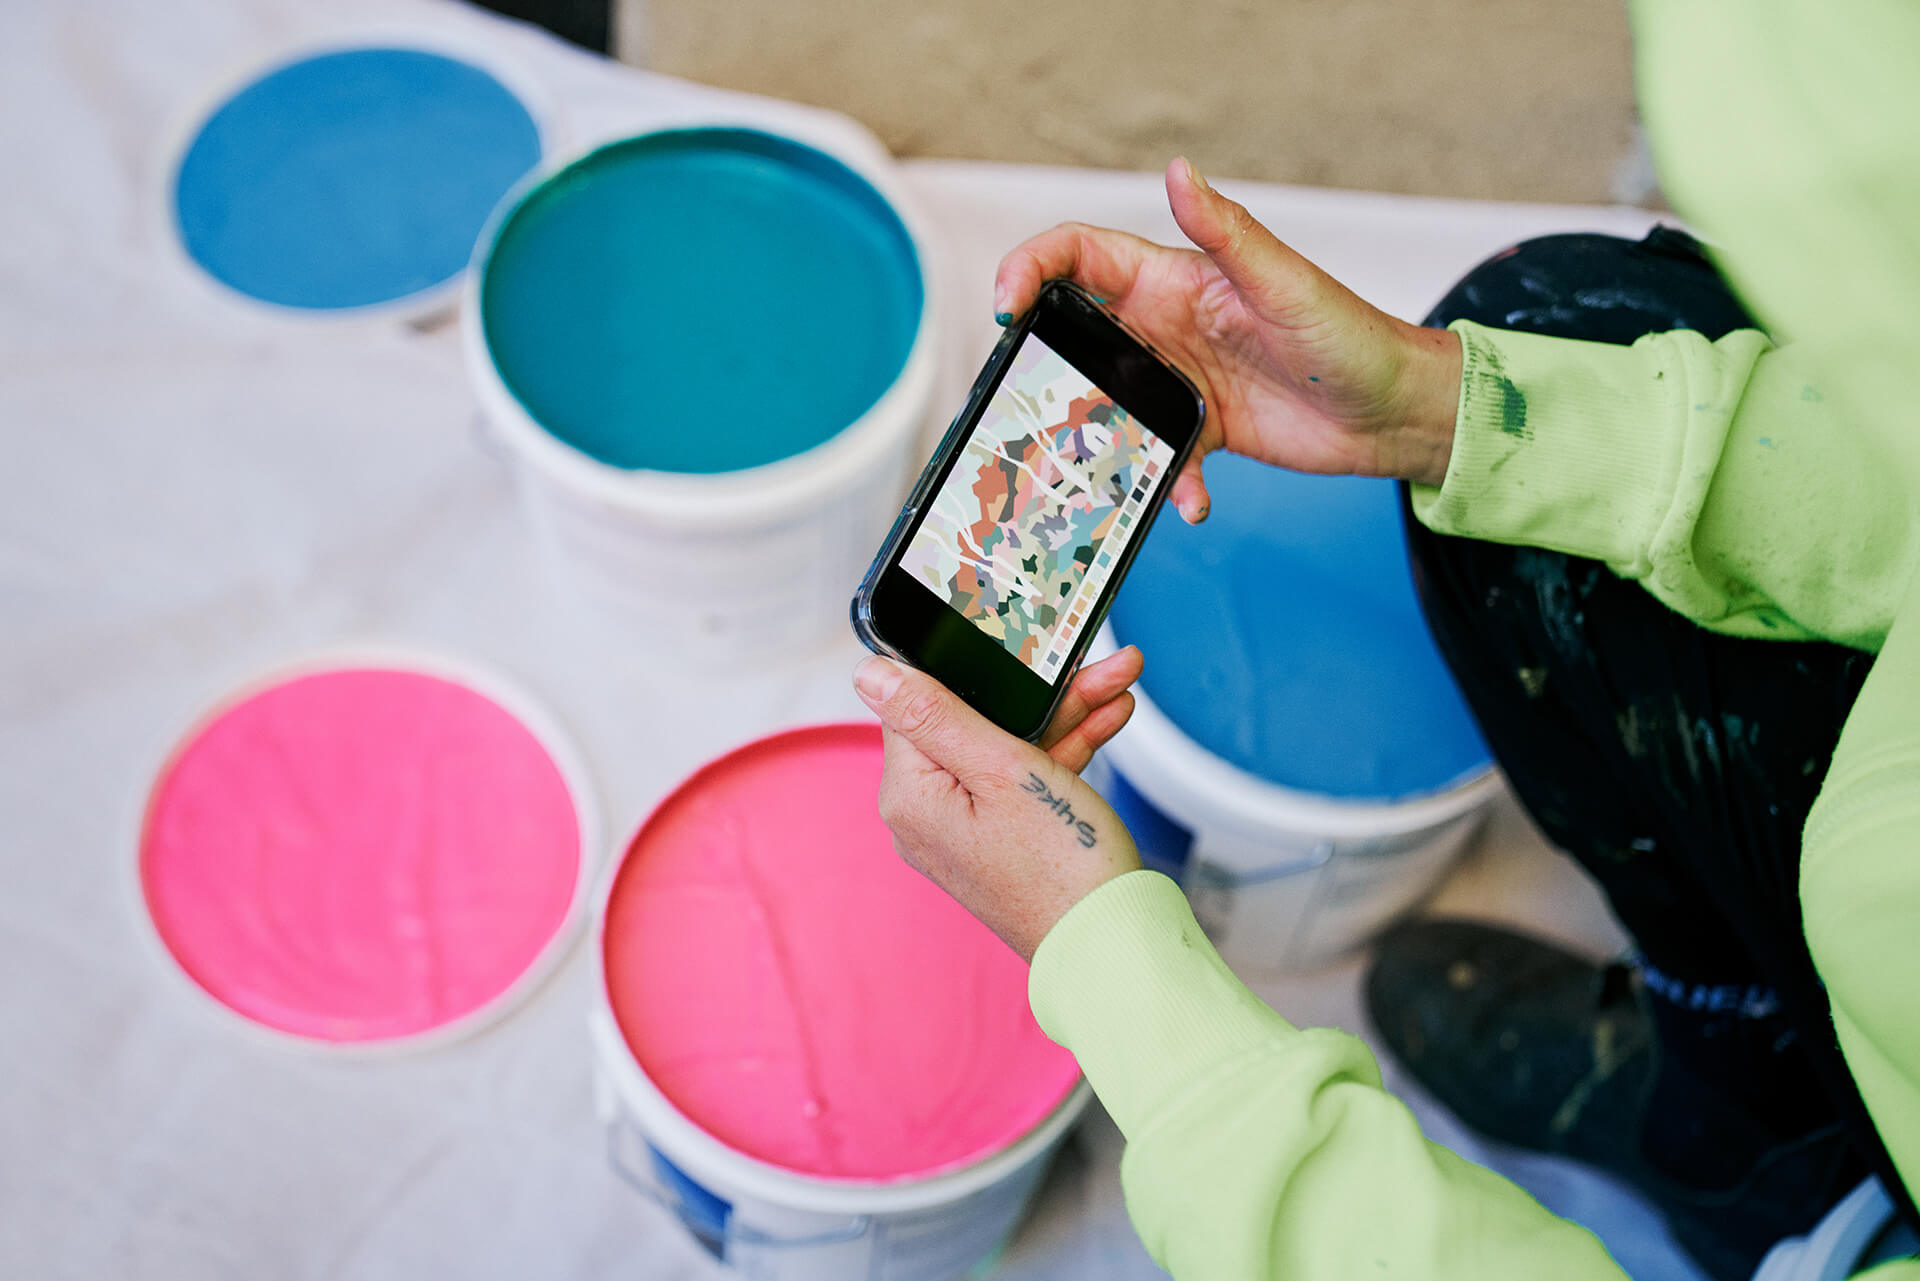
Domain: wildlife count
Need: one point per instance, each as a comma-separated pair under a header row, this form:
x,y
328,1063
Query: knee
x,y
1596,287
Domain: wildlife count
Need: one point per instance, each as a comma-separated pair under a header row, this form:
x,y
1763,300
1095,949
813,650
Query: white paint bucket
x,y
769,1223
1282,880
710,354
760,1217
1301,761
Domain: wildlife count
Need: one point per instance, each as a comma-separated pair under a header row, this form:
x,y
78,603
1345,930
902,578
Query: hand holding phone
x,y
1016,536
1299,371
1009,829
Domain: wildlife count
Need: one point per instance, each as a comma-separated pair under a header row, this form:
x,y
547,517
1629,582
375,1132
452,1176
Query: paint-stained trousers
x,y
1675,764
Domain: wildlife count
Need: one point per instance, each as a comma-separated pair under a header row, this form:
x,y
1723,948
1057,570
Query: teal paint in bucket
x,y
700,300
350,179
1303,657
710,355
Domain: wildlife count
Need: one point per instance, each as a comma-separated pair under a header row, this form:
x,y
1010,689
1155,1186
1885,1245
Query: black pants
x,y
1675,764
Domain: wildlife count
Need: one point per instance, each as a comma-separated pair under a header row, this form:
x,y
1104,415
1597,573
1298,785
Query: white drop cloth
x,y
197,489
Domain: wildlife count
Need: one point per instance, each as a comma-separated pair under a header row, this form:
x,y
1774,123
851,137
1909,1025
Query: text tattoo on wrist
x,y
1037,786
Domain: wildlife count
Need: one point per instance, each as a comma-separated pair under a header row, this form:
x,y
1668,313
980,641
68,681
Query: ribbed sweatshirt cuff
x,y
1128,982
1562,444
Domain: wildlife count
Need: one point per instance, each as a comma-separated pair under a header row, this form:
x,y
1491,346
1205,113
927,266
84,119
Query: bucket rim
x,y
478,678
1203,791
751,496
263,59
726,1169
733,1174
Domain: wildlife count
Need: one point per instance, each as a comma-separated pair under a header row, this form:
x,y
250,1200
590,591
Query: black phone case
x,y
955,438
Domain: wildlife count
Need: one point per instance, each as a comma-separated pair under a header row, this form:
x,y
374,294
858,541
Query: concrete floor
x,y
1495,99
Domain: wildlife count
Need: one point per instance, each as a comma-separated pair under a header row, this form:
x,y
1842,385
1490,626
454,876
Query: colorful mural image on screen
x,y
1024,532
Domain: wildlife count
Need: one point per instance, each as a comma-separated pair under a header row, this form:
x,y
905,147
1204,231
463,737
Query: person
x,y
1629,552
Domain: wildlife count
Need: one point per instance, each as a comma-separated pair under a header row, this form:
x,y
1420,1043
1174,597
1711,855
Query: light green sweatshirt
x,y
1762,490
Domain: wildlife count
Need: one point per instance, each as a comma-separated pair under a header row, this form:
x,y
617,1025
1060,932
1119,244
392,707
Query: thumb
x,y
1275,282
925,713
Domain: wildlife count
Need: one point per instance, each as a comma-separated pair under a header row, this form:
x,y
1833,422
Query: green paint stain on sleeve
x,y
1489,385
1513,408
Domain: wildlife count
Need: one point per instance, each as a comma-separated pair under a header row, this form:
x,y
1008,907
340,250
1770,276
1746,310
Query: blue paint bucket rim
x,y
707,502
1200,790
419,307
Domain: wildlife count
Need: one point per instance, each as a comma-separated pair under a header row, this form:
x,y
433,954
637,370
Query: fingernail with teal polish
x,y
1003,318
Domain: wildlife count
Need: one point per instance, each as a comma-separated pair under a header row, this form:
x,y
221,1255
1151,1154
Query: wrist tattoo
x,y
1038,789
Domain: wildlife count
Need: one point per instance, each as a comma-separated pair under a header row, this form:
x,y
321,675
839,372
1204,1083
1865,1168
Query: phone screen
x,y
1048,491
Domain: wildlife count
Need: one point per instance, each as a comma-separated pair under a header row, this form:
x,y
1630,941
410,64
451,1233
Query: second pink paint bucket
x,y
821,1063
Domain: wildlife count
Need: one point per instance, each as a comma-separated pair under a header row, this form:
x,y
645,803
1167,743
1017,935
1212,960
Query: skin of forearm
x,y
1420,445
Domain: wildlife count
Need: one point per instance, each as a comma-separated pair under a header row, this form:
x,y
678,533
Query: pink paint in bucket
x,y
833,1064
365,855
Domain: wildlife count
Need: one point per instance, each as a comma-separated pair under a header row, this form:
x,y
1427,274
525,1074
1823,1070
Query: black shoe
x,y
1535,1048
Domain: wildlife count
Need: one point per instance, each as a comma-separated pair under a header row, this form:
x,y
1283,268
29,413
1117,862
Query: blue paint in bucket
x,y
1283,636
700,300
1164,845
351,178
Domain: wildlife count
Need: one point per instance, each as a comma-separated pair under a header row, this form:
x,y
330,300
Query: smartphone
x,y
1014,540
